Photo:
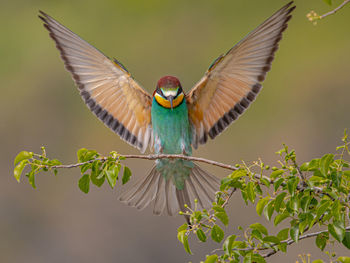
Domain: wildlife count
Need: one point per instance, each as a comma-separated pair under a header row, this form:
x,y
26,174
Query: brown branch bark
x,y
153,157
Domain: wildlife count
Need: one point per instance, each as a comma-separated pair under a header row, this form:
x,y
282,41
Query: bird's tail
x,y
198,185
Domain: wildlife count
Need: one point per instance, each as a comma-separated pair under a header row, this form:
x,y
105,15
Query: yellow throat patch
x,y
166,104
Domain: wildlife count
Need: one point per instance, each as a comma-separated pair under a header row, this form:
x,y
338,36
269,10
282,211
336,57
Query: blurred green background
x,y
304,103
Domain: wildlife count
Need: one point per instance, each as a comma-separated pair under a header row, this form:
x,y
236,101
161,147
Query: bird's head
x,y
169,92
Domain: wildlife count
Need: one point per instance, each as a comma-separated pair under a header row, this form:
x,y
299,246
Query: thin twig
x,y
228,197
172,156
152,157
300,173
335,10
291,241
274,251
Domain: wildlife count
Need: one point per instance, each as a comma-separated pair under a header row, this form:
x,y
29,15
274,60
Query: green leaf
x,y
32,178
318,261
239,244
24,155
248,258
266,182
336,207
84,183
80,154
347,173
258,259
98,181
321,240
303,225
259,227
325,162
258,190
54,162
279,200
223,217
218,208
112,175
336,178
276,173
95,177
85,155
257,234
283,234
337,230
304,167
278,183
344,259
261,204
251,192
228,182
346,240
227,246
85,167
282,247
183,238
238,174
305,202
294,233
244,196
271,239
314,164
323,207
201,235
328,2
182,227
211,259
292,185
126,175
293,203
268,211
280,217
19,169
217,234
197,215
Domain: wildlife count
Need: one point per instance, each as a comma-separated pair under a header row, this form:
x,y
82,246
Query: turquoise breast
x,y
172,135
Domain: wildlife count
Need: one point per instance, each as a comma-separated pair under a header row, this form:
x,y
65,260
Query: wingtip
x,y
291,7
43,16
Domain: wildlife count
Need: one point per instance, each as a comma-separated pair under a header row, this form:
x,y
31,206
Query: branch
x,y
175,156
291,241
313,16
152,157
335,10
301,175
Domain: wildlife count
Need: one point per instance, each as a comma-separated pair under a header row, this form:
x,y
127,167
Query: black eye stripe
x,y
178,91
160,92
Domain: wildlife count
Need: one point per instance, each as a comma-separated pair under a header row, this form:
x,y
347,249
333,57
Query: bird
x,y
171,121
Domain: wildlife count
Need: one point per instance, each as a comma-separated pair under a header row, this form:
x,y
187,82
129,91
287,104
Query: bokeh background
x,y
304,103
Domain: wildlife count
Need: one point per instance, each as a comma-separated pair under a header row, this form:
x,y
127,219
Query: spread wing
x,y
233,80
106,86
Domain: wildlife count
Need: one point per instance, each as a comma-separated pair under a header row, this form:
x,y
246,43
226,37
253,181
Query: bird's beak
x,y
170,98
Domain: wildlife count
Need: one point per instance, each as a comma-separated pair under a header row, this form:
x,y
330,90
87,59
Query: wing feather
x,y
233,81
106,86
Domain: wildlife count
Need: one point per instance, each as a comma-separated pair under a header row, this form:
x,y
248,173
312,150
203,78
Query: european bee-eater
x,y
170,121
